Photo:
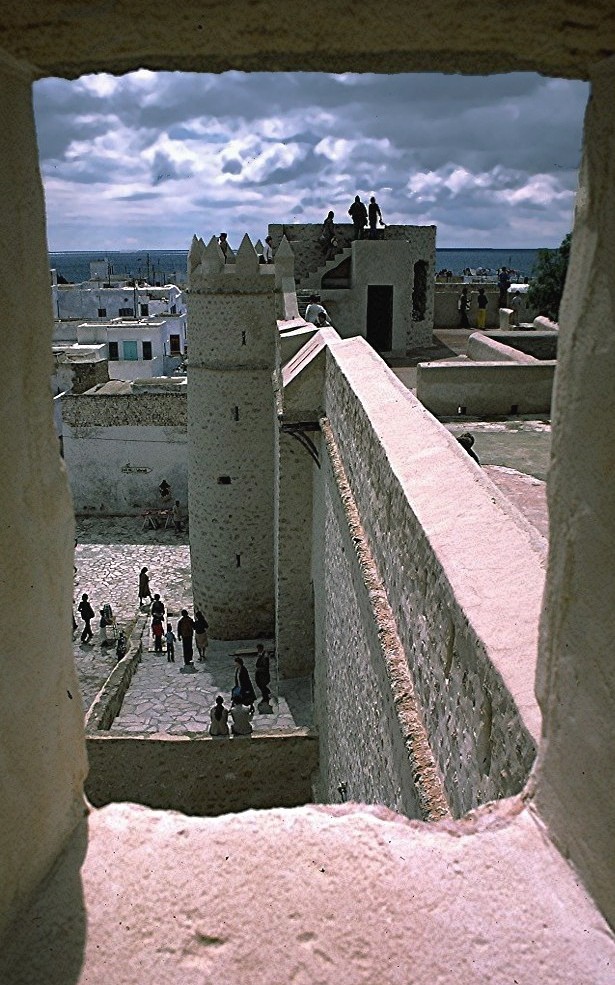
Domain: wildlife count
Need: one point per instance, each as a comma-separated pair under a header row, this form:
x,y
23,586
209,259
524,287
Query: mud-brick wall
x,y
203,776
464,576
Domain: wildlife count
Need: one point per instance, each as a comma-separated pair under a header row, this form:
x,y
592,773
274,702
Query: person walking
x,y
144,589
358,214
463,306
262,674
157,633
482,301
171,640
244,689
200,633
87,614
185,631
177,518
219,718
375,216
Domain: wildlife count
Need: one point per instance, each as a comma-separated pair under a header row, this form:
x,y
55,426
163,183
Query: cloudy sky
x,y
145,160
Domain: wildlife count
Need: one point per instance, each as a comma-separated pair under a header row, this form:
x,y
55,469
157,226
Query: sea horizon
x,y
170,266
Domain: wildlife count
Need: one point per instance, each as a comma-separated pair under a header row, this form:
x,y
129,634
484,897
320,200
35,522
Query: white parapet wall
x,y
453,388
447,546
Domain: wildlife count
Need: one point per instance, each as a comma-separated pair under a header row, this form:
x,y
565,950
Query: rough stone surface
x,y
463,546
233,337
485,388
334,896
42,754
576,674
204,776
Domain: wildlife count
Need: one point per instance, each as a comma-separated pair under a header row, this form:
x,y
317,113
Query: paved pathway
x,y
162,697
170,698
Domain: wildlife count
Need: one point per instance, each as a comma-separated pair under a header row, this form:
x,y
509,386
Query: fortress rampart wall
x,y
461,567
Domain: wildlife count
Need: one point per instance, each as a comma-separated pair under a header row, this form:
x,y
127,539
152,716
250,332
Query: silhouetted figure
x,y
157,608
328,237
503,285
219,718
358,214
223,244
375,216
144,589
244,689
466,440
482,301
463,306
262,675
185,631
200,633
87,614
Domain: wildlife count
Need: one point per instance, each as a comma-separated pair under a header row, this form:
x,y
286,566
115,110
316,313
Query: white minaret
x,y
232,345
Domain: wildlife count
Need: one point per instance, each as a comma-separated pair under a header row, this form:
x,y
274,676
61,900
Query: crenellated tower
x,y
233,342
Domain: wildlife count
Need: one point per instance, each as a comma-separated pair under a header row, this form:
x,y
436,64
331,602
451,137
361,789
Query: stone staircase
x,y
311,282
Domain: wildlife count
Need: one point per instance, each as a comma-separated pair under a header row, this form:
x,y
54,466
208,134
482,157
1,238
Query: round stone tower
x,y
231,418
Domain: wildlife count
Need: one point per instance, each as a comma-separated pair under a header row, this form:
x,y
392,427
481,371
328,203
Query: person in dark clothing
x,y
262,675
144,589
157,633
185,631
328,238
244,684
503,285
358,214
375,216
87,614
157,608
463,305
200,631
482,301
466,440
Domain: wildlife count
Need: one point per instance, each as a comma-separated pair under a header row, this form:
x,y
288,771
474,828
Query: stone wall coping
x,y
108,701
500,580
348,893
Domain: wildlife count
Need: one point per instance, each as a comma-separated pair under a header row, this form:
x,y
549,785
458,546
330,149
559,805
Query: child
x,y
157,633
171,639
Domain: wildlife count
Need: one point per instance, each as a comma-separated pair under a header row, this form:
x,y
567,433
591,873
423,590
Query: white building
x,y
137,348
92,300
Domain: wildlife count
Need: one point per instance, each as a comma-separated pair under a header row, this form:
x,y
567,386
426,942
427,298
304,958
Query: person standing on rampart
x,y
268,250
503,285
185,631
482,301
375,216
358,214
328,237
223,244
463,306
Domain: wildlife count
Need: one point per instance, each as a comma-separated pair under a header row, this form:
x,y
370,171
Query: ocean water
x,y
169,266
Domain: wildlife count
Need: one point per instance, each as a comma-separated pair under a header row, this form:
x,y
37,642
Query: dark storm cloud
x,y
495,157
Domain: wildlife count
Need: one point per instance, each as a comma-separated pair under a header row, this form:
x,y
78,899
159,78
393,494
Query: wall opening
x,y
380,317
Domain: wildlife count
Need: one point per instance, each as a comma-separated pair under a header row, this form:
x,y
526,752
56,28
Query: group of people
x,y
189,630
361,216
243,697
464,302
265,257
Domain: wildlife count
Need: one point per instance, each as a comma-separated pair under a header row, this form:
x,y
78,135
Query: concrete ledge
x,y
456,388
108,701
342,895
203,775
484,348
535,342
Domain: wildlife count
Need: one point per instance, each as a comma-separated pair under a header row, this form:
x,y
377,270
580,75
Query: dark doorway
x,y
380,317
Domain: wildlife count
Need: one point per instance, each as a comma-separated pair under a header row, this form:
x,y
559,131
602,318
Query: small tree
x,y
547,284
